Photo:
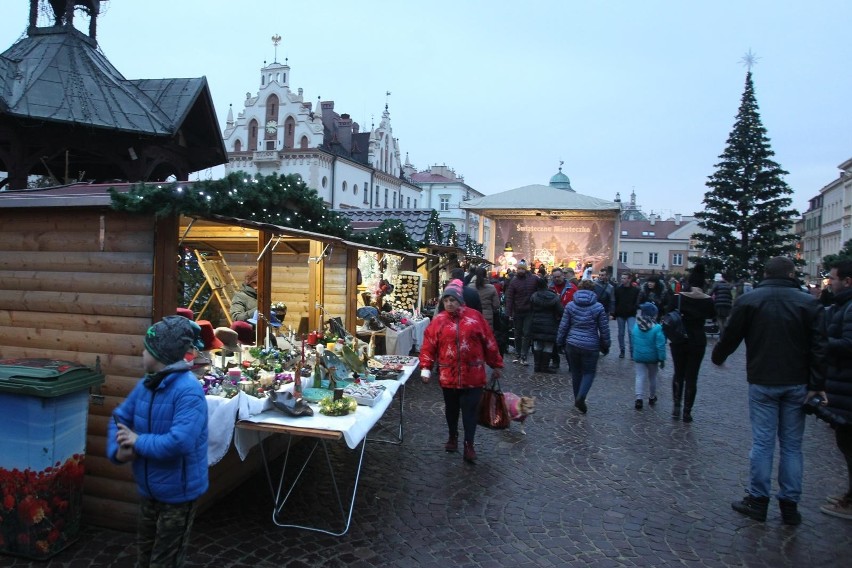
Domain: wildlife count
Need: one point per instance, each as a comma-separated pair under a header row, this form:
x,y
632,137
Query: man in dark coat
x,y
546,313
838,383
785,357
626,303
518,308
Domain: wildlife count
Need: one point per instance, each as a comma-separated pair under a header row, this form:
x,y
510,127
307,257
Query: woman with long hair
x,y
487,295
696,308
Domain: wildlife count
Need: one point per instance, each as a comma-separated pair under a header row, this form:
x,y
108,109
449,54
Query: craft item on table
x,y
230,342
365,395
289,404
271,320
370,316
398,359
245,332
342,407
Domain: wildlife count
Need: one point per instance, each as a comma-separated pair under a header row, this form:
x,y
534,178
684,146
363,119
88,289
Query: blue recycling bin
x,y
44,405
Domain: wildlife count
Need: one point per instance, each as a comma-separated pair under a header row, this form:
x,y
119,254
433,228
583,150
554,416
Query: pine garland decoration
x,y
283,200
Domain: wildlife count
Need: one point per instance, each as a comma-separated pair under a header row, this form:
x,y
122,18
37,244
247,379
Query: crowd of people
x,y
799,353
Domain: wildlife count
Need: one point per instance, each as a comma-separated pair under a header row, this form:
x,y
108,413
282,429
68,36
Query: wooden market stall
x,y
83,282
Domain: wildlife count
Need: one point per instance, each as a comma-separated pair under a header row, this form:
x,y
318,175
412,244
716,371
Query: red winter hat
x,y
185,312
209,336
245,332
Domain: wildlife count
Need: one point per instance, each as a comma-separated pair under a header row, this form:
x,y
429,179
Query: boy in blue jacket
x,y
161,428
649,350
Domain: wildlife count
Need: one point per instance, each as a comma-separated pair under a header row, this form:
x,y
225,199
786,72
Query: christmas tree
x,y
747,218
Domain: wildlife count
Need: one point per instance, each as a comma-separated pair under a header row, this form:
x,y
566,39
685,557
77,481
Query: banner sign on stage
x,y
555,242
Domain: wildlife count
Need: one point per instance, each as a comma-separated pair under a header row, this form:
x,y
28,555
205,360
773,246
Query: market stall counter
x,y
353,429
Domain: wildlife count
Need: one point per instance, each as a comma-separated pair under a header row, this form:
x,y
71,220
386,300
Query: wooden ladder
x,y
219,278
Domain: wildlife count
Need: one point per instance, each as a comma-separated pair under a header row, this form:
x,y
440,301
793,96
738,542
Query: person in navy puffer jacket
x,y
162,429
584,329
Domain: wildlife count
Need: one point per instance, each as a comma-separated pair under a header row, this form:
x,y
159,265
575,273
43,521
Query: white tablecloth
x,y
401,342
354,426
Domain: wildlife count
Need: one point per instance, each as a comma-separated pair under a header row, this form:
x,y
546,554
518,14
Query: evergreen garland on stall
x,y
390,234
283,200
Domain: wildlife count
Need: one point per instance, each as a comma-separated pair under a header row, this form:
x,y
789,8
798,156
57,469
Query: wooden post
x,y
166,257
264,286
351,288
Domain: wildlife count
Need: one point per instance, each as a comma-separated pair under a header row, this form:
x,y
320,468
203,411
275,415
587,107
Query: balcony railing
x,y
267,156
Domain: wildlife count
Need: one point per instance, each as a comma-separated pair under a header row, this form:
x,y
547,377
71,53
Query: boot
x,y
537,361
790,514
469,453
452,444
676,409
554,359
753,507
545,363
688,401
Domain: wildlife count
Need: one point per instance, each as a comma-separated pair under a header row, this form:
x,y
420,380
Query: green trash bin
x,y
44,405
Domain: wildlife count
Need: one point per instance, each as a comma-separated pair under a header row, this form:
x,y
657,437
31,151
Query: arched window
x,y
238,146
252,140
355,189
289,131
303,144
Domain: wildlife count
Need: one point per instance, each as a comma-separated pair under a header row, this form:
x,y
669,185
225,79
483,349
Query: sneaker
x,y
452,444
652,401
836,498
581,405
687,416
621,354
518,360
524,361
638,405
842,509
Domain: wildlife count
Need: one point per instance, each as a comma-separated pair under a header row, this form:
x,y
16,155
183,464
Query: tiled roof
x,y
661,229
427,177
416,220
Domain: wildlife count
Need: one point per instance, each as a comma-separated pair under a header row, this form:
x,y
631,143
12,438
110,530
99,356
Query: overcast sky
x,y
630,94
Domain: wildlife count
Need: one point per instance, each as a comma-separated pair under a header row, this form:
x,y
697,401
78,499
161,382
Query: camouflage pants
x,y
162,533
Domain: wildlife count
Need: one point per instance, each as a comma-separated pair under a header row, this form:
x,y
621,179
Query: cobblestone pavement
x,y
614,487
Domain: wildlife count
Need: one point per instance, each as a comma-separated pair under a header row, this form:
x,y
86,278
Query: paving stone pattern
x,y
614,487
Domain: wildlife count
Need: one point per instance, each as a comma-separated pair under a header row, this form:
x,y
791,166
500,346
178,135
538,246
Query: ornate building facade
x,y
278,131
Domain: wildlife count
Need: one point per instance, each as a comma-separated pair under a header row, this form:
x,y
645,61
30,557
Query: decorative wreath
x,y
342,407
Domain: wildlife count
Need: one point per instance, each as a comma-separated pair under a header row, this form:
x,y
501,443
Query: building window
x,y
355,189
408,203
622,256
304,143
270,144
366,194
677,259
238,146
445,203
415,204
387,192
394,200
344,186
324,182
376,200
652,258
623,233
637,259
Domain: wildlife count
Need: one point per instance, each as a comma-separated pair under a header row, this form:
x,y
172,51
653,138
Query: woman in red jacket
x,y
461,342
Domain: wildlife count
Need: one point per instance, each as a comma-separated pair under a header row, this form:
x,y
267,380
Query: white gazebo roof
x,y
537,198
